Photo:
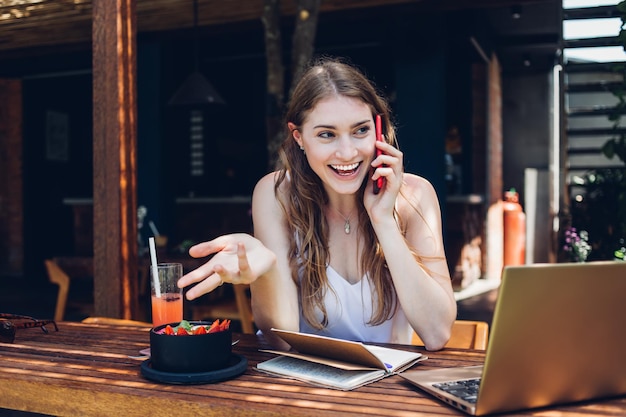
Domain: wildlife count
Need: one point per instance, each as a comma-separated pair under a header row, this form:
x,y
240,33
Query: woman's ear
x,y
295,133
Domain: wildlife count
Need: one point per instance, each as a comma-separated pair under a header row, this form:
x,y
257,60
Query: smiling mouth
x,y
346,169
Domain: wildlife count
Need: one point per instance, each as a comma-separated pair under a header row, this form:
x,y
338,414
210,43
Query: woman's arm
x,y
424,291
423,287
274,294
260,261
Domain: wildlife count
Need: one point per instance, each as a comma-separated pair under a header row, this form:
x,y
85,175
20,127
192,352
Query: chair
x,y
61,271
57,276
115,321
238,308
466,334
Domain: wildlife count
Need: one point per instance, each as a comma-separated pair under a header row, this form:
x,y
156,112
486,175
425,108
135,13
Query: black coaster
x,y
238,364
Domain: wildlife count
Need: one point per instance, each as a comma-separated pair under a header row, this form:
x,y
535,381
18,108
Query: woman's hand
x,y
238,258
381,205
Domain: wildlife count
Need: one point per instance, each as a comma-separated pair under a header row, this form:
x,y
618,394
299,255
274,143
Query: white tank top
x,y
349,308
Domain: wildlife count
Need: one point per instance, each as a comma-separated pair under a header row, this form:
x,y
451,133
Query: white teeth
x,y
345,167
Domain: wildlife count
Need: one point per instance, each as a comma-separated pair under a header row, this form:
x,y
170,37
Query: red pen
x,y
378,184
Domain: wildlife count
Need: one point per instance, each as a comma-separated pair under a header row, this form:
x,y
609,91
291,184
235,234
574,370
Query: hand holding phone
x,y
378,184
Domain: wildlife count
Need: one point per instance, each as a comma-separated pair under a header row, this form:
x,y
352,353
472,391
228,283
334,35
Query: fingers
x,y
213,274
244,266
196,275
384,172
389,155
242,275
207,248
203,287
387,164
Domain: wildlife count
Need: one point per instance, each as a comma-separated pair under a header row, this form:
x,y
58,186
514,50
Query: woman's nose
x,y
346,148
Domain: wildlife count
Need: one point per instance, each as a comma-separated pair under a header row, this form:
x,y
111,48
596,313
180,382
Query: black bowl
x,y
190,353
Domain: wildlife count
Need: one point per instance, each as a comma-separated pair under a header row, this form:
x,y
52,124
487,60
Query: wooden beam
x,y
64,23
114,158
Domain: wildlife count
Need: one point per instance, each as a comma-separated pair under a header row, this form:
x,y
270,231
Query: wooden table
x,y
86,370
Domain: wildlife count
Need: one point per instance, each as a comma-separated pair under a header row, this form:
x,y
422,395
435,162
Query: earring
x,y
301,147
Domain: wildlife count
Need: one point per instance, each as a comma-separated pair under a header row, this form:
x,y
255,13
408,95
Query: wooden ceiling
x,y
32,26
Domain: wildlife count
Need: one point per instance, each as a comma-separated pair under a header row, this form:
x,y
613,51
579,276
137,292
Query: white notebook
x,y
336,363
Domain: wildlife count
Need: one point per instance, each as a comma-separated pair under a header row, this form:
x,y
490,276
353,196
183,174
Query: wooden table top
x,y
86,370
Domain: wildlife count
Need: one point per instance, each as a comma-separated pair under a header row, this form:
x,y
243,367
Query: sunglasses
x,y
9,323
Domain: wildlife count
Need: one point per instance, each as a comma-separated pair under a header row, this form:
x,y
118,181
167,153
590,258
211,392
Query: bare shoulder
x,y
418,203
417,191
413,181
264,201
264,188
268,216
418,207
266,183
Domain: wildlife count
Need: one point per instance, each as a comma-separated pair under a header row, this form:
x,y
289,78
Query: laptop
x,y
558,335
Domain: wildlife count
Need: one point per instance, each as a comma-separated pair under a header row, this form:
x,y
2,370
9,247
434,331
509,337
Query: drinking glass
x,y
167,301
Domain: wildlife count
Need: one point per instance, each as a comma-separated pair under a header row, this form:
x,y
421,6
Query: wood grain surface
x,y
86,369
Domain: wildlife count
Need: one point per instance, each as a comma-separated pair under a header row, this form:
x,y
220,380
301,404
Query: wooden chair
x,y
238,308
57,276
466,334
61,271
115,321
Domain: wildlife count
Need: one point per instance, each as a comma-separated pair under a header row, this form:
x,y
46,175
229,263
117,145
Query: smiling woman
x,y
338,149
330,256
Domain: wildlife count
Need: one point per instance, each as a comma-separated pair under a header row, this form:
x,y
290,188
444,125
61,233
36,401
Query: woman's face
x,y
338,138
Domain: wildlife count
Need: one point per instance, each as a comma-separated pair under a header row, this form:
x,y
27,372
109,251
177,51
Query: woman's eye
x,y
326,135
362,131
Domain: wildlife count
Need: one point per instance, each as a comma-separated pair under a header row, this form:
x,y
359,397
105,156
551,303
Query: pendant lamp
x,y
196,90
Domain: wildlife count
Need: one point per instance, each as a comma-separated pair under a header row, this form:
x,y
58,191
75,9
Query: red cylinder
x,y
514,230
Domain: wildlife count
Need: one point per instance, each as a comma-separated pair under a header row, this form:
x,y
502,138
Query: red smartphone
x,y
378,184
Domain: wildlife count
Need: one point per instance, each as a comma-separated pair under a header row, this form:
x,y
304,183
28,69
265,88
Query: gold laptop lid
x,y
558,335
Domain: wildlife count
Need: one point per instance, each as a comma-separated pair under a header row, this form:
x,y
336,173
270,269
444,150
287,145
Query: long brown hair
x,y
304,196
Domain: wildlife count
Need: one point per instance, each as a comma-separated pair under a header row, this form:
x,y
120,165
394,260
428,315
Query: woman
x,y
329,255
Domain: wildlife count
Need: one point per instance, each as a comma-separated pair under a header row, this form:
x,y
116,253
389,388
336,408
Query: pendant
x,y
346,227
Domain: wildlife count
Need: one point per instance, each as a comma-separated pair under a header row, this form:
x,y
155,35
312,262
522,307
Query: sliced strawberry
x,y
225,325
215,326
182,332
169,330
199,330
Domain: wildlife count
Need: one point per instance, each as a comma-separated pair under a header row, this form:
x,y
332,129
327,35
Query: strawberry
x,y
169,330
199,330
215,326
182,332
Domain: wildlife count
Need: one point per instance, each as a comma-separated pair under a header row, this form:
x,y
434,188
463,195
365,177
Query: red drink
x,y
167,309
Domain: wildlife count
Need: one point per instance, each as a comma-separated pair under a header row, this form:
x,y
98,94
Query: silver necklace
x,y
346,225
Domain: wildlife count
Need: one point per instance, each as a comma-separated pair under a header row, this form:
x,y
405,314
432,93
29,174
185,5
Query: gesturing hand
x,y
237,258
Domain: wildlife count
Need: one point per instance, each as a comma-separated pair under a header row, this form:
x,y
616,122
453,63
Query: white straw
x,y
155,270
153,228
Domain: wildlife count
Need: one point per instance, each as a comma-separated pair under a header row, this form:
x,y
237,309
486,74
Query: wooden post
x,y
495,220
114,158
11,181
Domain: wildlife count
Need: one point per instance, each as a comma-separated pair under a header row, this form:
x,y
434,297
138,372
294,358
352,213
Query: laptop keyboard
x,y
466,389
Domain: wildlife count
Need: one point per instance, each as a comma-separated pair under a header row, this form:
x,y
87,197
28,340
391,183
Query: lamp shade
x,y
196,90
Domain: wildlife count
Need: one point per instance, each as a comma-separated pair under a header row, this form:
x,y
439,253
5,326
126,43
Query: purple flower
x,y
576,245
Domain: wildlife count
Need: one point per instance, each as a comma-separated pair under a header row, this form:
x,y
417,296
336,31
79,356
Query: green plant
x,y
576,244
602,210
620,254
